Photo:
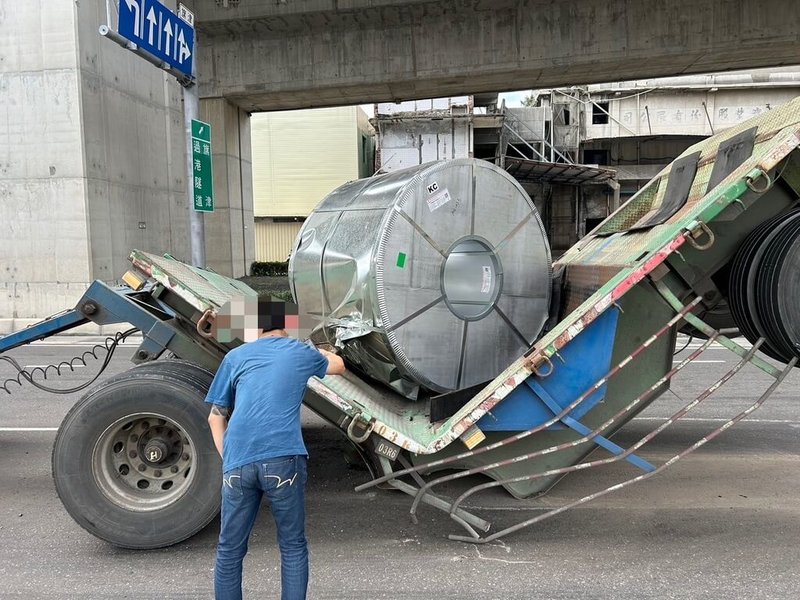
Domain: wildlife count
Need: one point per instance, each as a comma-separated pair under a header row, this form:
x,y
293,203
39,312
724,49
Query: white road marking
x,y
74,344
24,429
721,420
51,365
694,419
711,347
700,361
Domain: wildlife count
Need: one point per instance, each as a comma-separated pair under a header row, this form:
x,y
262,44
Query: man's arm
x,y
218,423
335,363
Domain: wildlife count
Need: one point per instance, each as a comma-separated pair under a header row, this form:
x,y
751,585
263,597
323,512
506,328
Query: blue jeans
x,y
282,480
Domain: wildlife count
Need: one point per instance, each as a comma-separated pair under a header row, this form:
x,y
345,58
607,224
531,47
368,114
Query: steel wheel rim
x,y
128,478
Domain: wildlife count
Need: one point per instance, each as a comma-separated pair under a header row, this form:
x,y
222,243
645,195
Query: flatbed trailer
x,y
709,246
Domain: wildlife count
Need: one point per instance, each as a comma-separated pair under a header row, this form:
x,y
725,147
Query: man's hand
x,y
218,423
335,363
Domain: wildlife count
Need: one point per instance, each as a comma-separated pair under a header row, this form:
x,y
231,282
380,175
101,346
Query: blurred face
x,y
292,326
246,318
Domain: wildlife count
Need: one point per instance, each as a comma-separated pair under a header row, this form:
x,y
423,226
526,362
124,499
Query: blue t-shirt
x,y
266,380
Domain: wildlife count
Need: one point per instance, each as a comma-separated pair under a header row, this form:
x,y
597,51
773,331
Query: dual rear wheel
x,y
134,462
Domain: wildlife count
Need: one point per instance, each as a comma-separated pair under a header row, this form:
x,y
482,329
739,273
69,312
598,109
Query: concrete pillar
x,y
44,254
91,158
230,229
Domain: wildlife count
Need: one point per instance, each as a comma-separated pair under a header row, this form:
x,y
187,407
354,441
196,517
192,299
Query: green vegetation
x,y
269,269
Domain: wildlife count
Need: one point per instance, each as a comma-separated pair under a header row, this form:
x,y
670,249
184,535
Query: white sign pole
x,y
197,232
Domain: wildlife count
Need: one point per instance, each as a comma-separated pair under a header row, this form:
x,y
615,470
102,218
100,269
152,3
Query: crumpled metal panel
x,y
434,277
202,289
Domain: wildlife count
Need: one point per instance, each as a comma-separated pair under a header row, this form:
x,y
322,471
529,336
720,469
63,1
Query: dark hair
x,y
272,313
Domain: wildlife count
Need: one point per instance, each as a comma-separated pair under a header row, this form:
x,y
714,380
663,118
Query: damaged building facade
x,y
521,140
579,152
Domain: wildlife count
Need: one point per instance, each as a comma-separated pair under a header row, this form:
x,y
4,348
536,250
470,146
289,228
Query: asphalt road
x,y
722,523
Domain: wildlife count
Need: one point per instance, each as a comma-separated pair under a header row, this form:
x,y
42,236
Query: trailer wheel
x,y
134,462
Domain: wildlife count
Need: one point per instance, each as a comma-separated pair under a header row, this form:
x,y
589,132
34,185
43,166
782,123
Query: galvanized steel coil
x,y
430,279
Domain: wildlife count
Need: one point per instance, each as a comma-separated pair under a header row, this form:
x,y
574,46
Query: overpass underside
x,y
281,54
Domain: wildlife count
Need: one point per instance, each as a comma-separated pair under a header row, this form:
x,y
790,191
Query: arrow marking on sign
x,y
184,52
151,19
133,6
168,32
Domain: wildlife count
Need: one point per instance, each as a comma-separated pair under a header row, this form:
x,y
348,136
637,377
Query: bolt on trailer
x,y
711,245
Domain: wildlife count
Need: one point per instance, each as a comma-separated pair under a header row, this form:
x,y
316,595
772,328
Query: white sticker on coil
x,y
486,285
439,199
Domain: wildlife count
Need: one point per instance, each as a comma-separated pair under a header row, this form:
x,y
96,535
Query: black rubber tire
x,y
744,272
193,374
174,391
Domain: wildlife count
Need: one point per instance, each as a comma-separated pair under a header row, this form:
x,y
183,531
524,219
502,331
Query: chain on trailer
x,y
460,515
103,351
685,310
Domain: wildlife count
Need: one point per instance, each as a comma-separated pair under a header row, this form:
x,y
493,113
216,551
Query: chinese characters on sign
x,y
203,184
155,28
689,116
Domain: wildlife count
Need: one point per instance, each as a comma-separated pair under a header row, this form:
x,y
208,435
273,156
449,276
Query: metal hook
x,y
204,324
359,439
539,361
704,229
750,182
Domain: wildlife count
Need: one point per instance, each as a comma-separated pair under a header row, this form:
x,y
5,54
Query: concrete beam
x,y
268,55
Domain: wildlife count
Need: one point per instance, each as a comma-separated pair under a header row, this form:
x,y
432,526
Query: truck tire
x,y
134,462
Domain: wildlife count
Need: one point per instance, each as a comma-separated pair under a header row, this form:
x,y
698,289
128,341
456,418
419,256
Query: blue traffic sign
x,y
155,28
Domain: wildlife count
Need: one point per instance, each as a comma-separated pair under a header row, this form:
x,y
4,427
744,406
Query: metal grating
x,y
202,289
535,171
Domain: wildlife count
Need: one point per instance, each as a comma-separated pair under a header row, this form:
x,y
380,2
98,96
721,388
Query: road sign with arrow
x,y
155,28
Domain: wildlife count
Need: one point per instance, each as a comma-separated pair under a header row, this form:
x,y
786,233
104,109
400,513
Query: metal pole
x,y
197,235
191,110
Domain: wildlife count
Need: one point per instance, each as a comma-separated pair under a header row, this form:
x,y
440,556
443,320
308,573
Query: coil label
x,y
486,285
438,200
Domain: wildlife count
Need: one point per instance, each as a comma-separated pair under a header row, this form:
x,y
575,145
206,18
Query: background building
x,y
522,140
415,132
299,157
92,161
581,151
636,128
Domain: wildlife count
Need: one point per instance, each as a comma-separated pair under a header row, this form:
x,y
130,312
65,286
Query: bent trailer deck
x,y
647,270
658,264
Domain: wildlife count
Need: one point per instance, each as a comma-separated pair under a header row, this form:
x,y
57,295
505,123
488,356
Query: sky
x,y
512,99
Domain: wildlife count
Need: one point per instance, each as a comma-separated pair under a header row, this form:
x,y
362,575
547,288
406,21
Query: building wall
x,y
91,158
528,122
44,249
134,151
300,156
652,122
684,112
430,104
274,240
365,141
404,143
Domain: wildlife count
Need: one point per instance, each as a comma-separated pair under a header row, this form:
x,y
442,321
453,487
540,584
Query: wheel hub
x,y
155,451
143,462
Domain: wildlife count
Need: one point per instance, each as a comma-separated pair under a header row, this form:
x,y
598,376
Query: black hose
x,y
685,346
107,347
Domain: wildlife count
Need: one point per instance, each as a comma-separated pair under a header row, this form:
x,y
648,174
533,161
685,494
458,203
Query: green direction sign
x,y
203,183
